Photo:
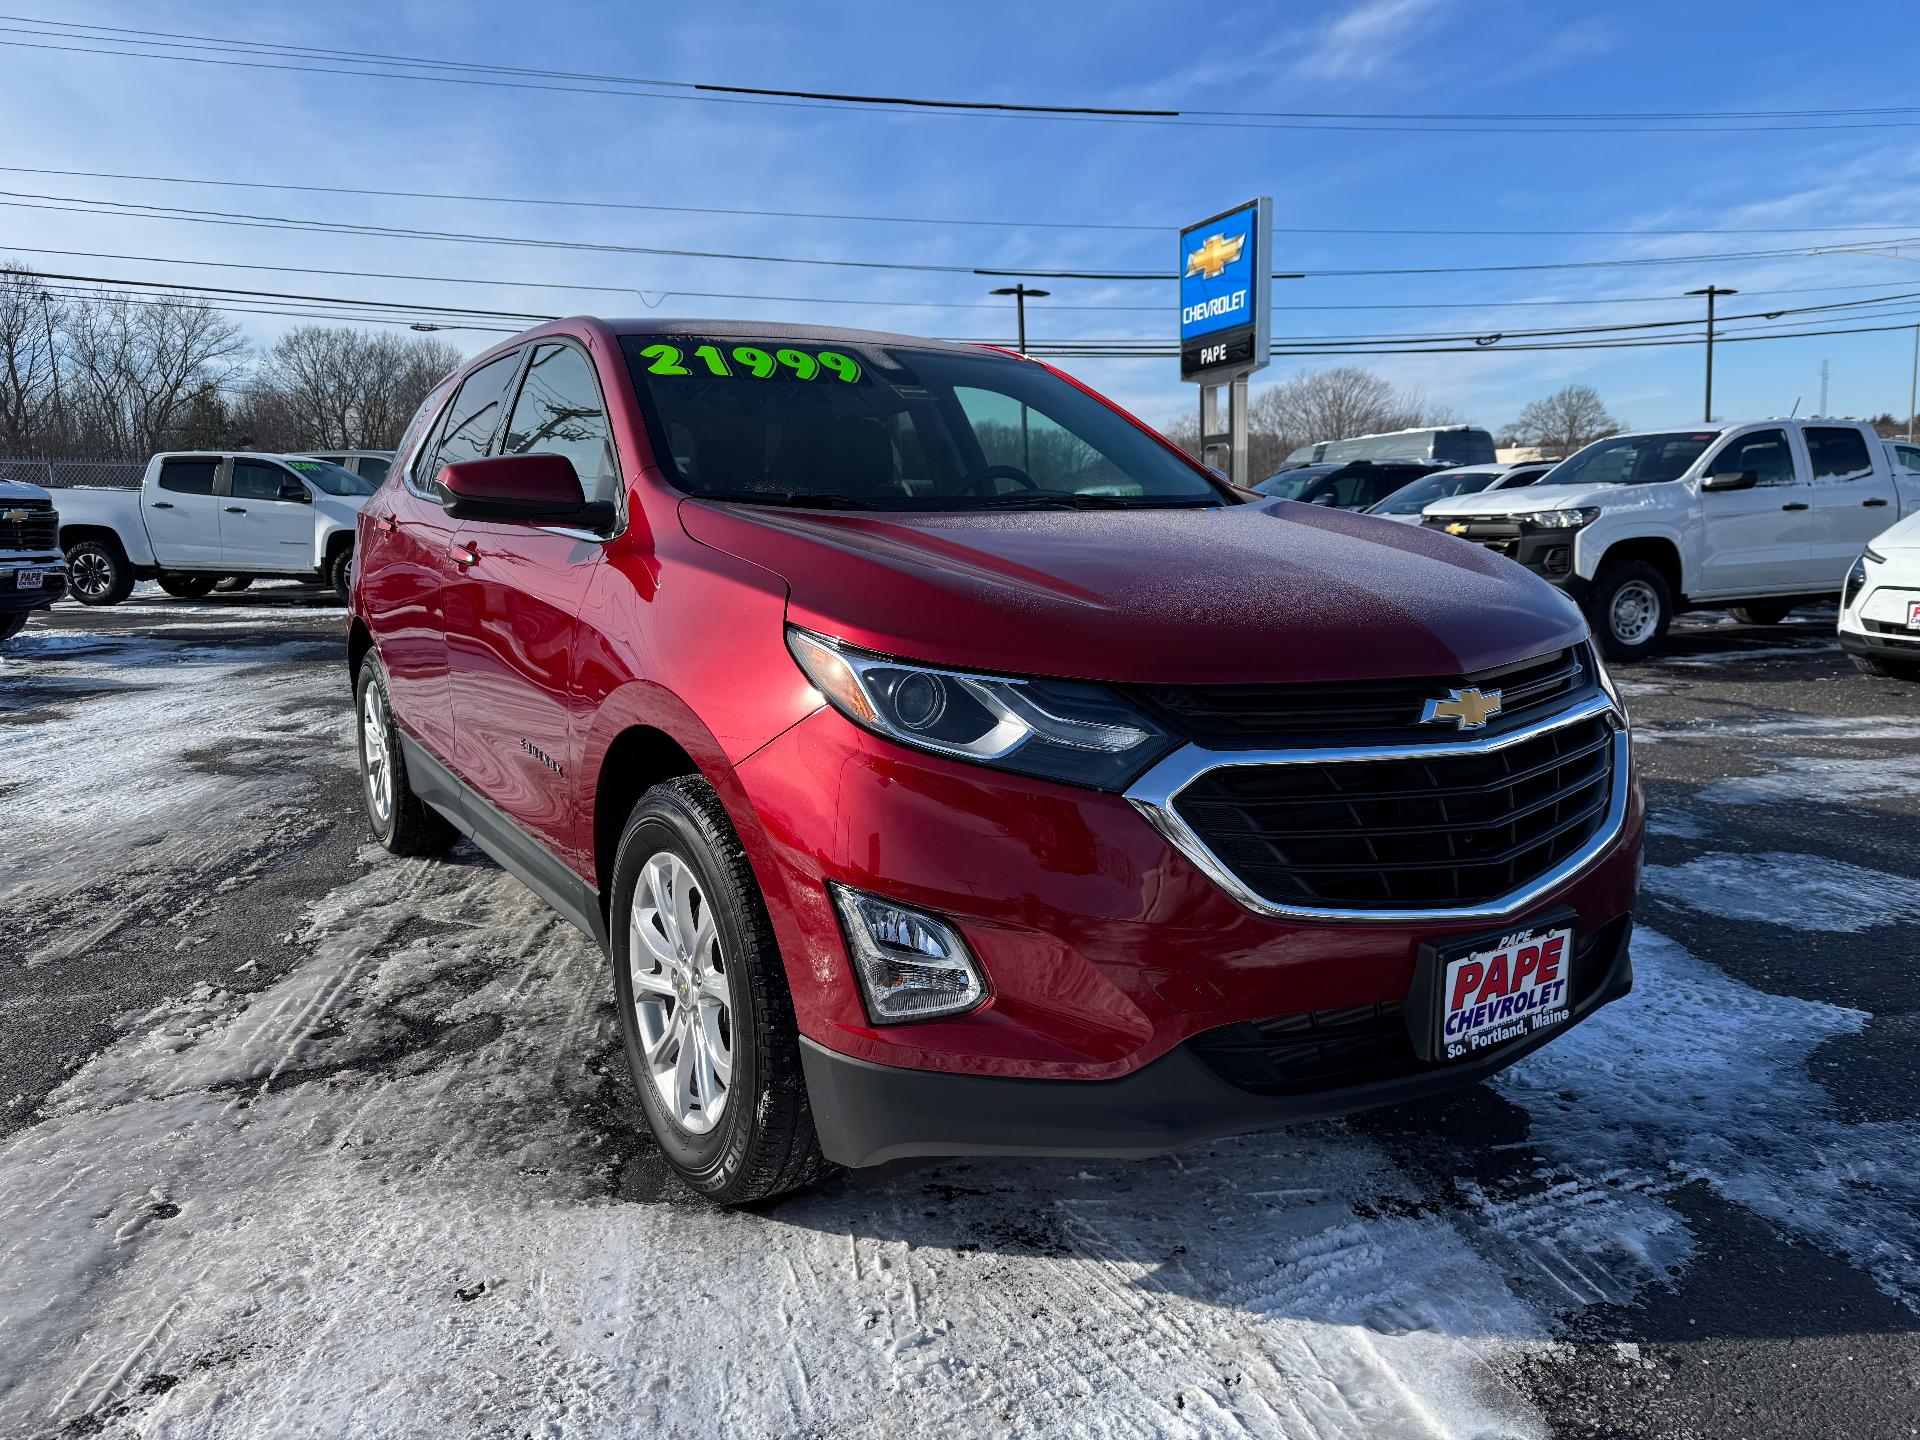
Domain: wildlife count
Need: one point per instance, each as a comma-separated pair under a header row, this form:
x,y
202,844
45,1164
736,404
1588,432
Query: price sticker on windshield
x,y
751,362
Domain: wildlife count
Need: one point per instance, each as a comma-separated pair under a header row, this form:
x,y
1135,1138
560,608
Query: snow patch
x,y
1807,892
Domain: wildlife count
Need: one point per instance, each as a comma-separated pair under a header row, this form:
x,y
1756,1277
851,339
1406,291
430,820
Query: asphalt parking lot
x,y
296,1138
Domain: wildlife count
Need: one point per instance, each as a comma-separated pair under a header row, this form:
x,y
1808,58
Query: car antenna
x,y
1796,408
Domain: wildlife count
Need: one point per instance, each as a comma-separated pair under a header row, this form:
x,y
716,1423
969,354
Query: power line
x,y
86,205
942,221
157,43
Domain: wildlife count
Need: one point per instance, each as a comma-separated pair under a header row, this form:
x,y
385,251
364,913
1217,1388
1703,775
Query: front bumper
x,y
1873,622
868,1114
1547,553
13,599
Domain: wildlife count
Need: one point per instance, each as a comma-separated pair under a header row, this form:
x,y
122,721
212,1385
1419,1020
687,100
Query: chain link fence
x,y
63,474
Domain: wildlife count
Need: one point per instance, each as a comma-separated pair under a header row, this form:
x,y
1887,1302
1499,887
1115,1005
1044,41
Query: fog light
x,y
910,965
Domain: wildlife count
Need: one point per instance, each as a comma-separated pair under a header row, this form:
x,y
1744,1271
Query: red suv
x,y
949,765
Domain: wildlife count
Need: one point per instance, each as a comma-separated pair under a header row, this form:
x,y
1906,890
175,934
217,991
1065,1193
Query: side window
x,y
189,477
1764,452
470,422
560,412
414,449
373,468
1908,456
1837,454
257,480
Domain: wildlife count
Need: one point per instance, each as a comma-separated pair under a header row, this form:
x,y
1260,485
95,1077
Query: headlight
x,y
1056,729
1857,576
1560,519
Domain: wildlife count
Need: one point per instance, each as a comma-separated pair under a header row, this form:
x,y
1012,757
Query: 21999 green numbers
x,y
749,360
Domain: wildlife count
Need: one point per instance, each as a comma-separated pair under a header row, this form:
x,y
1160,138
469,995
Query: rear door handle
x,y
241,509
163,504
463,555
1796,505
1873,503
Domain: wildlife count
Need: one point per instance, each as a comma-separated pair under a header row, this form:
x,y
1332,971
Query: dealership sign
x,y
1225,293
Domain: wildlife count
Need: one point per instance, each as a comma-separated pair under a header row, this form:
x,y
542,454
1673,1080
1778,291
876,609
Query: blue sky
x,y
92,112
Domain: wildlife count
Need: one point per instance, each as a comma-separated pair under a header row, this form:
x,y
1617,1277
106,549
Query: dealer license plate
x,y
1504,990
29,579
1913,614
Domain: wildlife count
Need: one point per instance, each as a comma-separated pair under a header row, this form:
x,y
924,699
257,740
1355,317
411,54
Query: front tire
x,y
400,820
704,1008
1886,669
231,584
1761,614
98,573
1630,608
340,572
187,587
12,625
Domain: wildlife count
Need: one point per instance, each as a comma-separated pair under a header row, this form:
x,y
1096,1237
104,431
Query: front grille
x,y
1361,1044
1898,634
40,530
1228,717
1414,832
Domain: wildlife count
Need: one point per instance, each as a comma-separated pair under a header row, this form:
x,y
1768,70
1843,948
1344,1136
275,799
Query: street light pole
x,y
1913,382
1710,292
1020,293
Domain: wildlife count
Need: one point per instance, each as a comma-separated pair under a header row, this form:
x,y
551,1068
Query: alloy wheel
x,y
682,998
379,760
1635,612
90,573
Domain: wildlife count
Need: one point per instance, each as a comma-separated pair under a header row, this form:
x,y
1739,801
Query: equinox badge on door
x,y
1469,709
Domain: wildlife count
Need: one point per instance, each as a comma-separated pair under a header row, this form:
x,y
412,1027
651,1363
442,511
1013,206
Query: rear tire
x,y
340,572
1766,613
12,625
229,584
98,573
187,587
400,820
1630,608
706,1017
1886,669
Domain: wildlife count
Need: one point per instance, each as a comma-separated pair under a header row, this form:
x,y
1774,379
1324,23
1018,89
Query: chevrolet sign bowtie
x,y
1215,255
1469,709
1457,528
17,517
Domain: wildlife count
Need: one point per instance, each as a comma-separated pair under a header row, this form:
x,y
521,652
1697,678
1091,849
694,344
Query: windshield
x,y
861,426
1292,484
1634,459
332,478
1412,499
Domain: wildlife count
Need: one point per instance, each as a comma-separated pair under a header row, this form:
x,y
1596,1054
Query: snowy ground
x,y
303,1140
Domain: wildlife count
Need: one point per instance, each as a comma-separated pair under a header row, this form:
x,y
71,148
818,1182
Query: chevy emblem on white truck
x,y
1469,709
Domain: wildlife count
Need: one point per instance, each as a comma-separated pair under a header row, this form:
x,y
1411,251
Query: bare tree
x,y
29,362
334,387
1564,421
138,363
1318,405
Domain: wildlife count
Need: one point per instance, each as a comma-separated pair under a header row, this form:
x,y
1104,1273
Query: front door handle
x,y
463,554
236,509
1872,504
163,504
1796,505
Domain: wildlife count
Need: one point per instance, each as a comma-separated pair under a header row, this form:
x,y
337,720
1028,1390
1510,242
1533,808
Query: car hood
x,y
340,508
1904,536
1525,498
1268,591
20,490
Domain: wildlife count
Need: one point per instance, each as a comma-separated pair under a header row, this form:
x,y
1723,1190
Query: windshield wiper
x,y
1078,500
806,500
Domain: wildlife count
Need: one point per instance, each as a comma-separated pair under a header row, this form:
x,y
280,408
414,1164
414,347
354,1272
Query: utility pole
x,y
1913,383
53,366
1711,292
1020,293
1826,369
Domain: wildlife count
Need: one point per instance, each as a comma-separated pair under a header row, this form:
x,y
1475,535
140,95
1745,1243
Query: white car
x,y
1880,606
1754,517
199,518
1406,503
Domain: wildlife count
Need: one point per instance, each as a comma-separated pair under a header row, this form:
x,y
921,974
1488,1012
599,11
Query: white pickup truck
x,y
200,518
1754,517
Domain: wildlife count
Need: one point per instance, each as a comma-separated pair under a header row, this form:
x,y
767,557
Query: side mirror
x,y
523,490
1731,480
293,490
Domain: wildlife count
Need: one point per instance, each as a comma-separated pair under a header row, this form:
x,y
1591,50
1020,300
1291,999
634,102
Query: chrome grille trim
x,y
1155,792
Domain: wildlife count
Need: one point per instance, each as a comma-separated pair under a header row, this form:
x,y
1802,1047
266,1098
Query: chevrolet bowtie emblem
x,y
1469,709
17,517
1457,528
1215,255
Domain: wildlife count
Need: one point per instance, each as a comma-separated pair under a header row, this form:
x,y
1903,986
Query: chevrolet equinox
x,y
949,765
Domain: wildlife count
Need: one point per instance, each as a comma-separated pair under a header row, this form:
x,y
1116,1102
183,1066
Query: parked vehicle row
x,y
949,765
33,572
1753,517
1431,444
1409,502
201,518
